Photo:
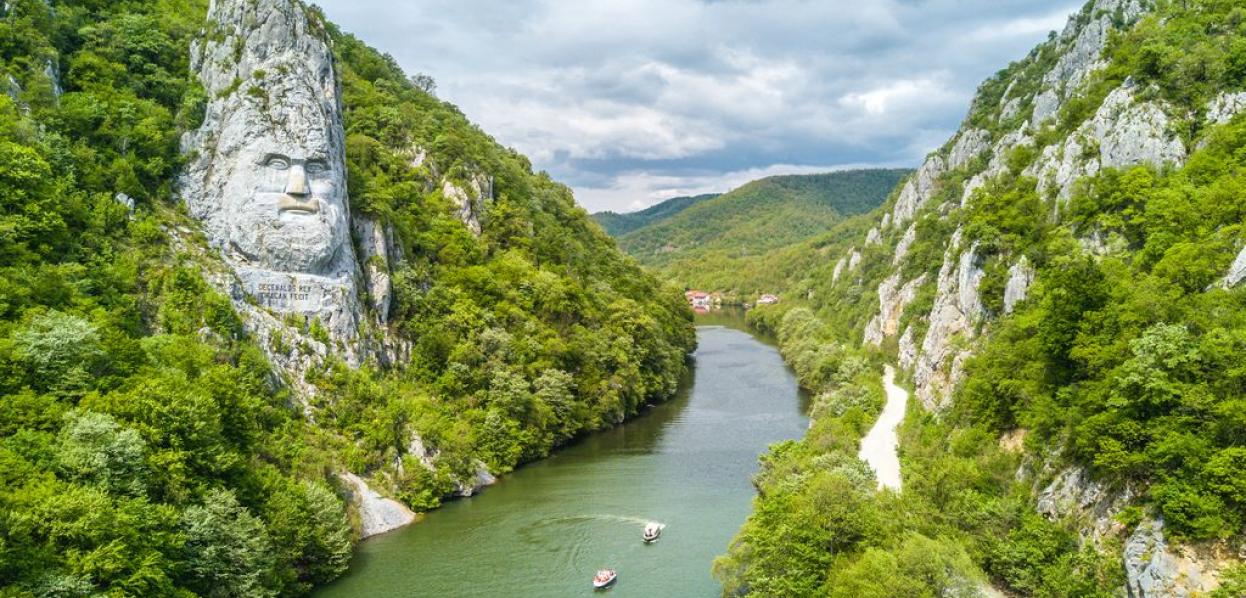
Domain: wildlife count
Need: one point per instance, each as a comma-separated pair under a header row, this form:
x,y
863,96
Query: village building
x,y
699,300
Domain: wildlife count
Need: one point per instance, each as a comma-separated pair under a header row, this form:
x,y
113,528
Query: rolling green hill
x,y
707,243
617,224
761,215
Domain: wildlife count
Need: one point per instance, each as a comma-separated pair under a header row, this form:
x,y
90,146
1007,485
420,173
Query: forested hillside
x,y
616,224
758,217
151,443
1059,284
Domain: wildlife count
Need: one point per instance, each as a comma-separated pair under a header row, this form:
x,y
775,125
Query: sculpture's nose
x,y
298,197
296,185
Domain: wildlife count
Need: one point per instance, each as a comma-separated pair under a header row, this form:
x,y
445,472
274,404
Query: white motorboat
x,y
604,578
652,531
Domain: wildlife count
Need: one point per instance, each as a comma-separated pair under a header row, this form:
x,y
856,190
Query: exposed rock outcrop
x,y
1237,272
1074,494
478,482
1009,110
125,201
906,242
1225,107
998,164
1046,104
957,308
53,73
1122,133
839,269
907,349
469,199
1153,567
918,189
13,89
1020,277
968,146
377,251
377,514
1131,132
873,237
1081,50
420,452
1153,570
892,299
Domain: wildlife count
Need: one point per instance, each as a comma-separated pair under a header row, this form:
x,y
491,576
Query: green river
x,y
544,529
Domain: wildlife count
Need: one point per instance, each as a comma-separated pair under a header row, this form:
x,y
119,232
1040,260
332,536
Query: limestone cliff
x,y
1028,132
1125,130
267,170
266,177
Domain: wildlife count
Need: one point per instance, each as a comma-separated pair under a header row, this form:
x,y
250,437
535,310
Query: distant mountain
x,y
617,224
759,216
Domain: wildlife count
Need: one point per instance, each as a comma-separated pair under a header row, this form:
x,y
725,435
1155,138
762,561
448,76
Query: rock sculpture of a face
x,y
285,195
267,173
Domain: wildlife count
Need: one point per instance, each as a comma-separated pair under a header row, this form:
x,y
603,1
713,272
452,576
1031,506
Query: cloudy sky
x,y
634,101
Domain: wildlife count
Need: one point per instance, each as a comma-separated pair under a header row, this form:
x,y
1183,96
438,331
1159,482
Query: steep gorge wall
x,y
1129,127
439,319
267,179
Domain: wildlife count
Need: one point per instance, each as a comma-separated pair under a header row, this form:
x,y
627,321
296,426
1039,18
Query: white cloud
x,y
1022,27
632,191
630,101
881,100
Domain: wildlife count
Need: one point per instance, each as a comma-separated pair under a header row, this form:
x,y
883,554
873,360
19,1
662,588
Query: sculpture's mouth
x,y
288,203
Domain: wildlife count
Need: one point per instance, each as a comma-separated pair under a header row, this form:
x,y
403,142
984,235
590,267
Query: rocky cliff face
x,y
377,514
267,174
266,177
1123,131
1128,127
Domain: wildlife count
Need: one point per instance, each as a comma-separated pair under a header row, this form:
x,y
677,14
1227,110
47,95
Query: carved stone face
x,y
287,203
268,172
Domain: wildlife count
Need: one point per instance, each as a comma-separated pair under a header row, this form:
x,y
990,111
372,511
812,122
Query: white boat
x,y
604,578
652,531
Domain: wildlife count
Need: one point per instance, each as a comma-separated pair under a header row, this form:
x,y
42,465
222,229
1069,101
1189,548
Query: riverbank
x,y
543,529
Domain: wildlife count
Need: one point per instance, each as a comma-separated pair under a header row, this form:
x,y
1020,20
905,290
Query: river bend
x,y
544,529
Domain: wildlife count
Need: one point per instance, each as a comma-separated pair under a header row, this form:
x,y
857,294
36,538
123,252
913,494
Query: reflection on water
x,y
544,529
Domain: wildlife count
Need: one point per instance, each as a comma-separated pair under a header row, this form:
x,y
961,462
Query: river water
x,y
544,529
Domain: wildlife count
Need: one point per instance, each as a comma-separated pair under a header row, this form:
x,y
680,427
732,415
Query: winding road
x,y
878,448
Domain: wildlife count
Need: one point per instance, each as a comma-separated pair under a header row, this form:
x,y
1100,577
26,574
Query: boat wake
x,y
628,519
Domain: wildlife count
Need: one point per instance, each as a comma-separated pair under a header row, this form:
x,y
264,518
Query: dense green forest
x,y
534,333
707,238
144,447
616,224
1124,359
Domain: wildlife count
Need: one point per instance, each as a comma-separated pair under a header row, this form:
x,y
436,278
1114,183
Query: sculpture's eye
x,y
315,166
277,162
